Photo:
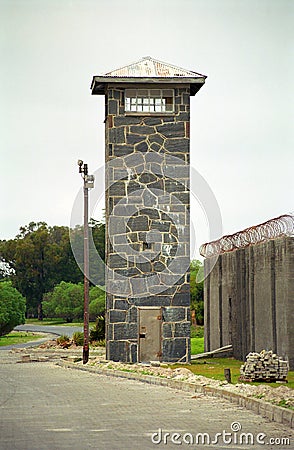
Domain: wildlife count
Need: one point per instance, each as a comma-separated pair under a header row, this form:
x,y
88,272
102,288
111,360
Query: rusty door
x,y
150,319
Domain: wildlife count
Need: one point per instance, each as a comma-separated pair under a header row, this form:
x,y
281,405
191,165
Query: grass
x,y
197,339
197,345
44,322
17,337
59,322
214,368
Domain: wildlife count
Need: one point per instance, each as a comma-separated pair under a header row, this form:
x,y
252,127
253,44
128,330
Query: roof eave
x,y
99,82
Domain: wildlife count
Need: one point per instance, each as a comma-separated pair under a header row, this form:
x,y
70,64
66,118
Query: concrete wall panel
x,y
248,299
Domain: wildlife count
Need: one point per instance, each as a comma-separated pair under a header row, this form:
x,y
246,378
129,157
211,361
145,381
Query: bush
x,y
197,331
12,308
78,338
97,333
66,301
96,302
63,341
196,290
100,343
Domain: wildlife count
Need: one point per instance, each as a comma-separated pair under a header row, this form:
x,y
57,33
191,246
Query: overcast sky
x,y
241,120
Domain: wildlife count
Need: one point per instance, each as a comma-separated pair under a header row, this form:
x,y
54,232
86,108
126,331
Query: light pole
x,y
88,184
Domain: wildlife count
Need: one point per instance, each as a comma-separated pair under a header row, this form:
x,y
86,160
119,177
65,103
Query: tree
x,y
66,301
27,256
98,233
96,302
35,257
96,250
40,257
196,291
12,307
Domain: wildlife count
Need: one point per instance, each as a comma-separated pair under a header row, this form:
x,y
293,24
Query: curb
x,y
267,410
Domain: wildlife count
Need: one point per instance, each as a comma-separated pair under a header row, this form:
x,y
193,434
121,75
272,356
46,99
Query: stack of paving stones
x,y
147,245
264,366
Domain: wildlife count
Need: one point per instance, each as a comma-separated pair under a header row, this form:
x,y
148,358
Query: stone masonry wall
x,y
147,225
248,299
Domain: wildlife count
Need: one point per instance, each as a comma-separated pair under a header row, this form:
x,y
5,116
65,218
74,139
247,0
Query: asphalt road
x,y
51,329
45,407
47,329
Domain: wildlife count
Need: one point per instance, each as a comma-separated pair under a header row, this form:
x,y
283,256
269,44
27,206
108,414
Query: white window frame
x,y
149,101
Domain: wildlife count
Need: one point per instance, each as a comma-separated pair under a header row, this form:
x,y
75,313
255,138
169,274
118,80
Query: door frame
x,y
159,309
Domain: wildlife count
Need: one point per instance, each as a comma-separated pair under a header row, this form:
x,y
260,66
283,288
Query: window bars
x,y
149,100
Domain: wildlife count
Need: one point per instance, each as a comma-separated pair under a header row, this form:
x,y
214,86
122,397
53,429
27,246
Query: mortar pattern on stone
x,y
147,203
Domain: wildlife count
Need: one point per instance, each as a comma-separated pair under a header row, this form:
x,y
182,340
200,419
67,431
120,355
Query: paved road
x,y
48,329
51,329
45,407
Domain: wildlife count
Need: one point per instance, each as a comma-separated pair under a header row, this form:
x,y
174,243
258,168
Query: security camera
x,y
80,162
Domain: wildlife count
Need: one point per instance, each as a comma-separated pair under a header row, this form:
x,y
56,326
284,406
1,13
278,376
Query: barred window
x,y
149,100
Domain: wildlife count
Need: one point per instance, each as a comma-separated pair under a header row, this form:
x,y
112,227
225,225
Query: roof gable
x,y
150,67
148,71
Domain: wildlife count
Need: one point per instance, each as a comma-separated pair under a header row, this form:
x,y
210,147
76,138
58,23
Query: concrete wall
x,y
248,299
147,202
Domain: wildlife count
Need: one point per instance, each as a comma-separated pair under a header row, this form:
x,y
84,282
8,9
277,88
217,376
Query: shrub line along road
x,y
46,329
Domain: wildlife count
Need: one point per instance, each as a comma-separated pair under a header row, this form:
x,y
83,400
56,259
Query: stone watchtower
x,y
147,124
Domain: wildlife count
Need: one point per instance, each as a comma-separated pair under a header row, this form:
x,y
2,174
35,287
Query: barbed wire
x,y
271,229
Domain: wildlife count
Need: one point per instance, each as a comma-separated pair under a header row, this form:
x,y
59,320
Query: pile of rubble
x,y
264,366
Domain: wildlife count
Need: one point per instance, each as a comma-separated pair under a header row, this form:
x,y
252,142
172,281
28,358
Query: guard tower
x,y
147,125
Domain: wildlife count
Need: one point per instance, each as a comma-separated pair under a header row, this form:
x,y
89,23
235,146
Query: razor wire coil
x,y
271,229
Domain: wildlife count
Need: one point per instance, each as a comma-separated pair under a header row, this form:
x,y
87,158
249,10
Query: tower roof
x,y
150,67
149,70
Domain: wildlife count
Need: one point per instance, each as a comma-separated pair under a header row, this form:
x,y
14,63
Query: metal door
x,y
150,319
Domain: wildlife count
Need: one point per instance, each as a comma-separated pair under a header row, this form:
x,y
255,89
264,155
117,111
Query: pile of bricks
x,y
264,366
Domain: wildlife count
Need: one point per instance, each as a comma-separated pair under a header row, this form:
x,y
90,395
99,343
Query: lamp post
x,y
88,184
